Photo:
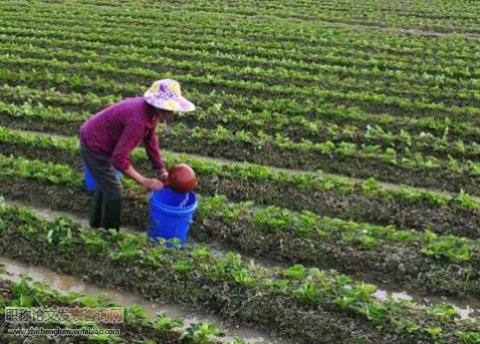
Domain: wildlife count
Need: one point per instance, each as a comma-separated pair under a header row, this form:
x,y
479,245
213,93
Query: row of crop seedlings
x,y
420,259
428,135
91,80
342,79
235,40
332,75
287,116
366,99
312,191
226,53
30,70
136,327
346,158
384,64
238,32
381,64
25,61
446,138
228,43
297,61
310,304
319,13
389,156
439,81
404,103
304,12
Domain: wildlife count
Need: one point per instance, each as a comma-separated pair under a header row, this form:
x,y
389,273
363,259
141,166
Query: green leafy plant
x,y
297,271
308,294
200,333
165,324
434,332
127,249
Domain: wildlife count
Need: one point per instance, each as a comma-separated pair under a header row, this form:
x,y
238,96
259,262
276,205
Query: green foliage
x,y
22,296
451,247
434,332
136,314
127,249
443,312
407,326
94,242
308,294
308,287
165,324
201,333
183,266
376,312
466,201
468,337
297,271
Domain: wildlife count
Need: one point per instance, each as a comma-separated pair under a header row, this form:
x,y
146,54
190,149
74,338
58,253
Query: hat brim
x,y
178,104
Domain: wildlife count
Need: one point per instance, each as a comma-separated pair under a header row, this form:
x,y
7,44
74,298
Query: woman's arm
x,y
131,136
154,154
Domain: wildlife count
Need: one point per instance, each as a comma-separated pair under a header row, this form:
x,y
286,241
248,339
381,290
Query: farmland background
x,y
328,134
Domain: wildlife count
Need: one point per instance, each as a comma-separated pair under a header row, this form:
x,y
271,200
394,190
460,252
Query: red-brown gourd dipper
x,y
182,178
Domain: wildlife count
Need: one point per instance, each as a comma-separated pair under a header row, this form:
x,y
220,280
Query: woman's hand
x,y
163,176
152,184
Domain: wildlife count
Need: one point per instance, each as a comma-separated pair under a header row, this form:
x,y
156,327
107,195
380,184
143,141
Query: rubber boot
x,y
96,209
111,213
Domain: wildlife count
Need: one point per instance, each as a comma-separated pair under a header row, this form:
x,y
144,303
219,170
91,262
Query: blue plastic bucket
x,y
90,182
171,215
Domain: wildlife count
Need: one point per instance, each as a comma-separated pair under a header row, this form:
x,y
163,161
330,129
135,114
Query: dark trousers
x,y
106,204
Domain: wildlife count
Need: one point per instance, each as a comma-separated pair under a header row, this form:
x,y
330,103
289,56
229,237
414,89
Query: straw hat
x,y
166,94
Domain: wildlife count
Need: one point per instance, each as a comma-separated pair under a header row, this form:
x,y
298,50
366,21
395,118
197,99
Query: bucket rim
x,y
191,207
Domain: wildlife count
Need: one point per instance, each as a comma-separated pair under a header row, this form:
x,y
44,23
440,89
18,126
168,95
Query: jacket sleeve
x,y
153,151
130,138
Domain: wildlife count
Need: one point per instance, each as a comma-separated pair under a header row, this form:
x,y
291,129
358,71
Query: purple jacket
x,y
118,129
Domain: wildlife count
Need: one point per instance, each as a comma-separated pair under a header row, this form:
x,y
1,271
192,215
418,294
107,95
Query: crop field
x,y
337,146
